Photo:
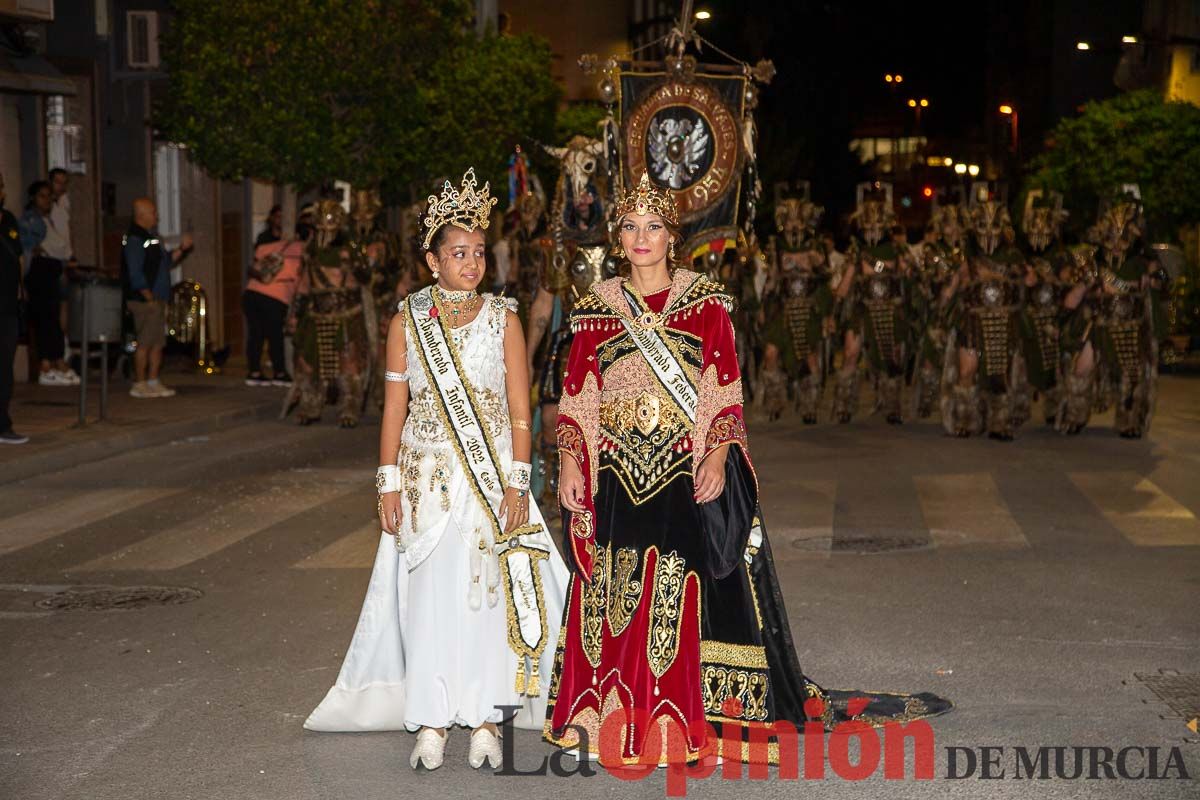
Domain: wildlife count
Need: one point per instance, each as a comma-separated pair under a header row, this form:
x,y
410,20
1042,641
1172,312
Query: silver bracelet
x,y
387,479
395,377
518,476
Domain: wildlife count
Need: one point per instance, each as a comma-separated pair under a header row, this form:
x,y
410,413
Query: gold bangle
x,y
520,424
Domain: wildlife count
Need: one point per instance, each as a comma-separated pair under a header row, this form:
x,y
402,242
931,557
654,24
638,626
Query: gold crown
x,y
647,198
468,209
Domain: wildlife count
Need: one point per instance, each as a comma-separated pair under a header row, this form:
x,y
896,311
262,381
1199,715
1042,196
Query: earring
x,y
671,251
620,251
435,275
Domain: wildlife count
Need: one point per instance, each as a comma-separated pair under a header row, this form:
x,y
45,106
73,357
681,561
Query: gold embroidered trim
x,y
753,591
748,688
515,640
591,609
410,469
625,593
733,655
439,479
666,612
590,719
570,441
522,530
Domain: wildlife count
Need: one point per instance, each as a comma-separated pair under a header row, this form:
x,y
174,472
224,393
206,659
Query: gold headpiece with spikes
x,y
647,198
466,208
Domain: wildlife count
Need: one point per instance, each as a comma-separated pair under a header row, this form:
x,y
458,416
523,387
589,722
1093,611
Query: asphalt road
x,y
1039,585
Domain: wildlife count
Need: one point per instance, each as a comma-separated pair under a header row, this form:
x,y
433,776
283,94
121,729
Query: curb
x,y
71,454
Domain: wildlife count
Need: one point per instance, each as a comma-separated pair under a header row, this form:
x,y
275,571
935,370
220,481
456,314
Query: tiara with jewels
x,y
465,207
647,198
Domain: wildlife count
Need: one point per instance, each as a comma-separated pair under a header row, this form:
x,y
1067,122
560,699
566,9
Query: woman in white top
x,y
463,608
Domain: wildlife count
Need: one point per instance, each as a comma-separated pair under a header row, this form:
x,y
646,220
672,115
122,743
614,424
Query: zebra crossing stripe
x,y
1143,513
355,549
72,512
966,509
233,522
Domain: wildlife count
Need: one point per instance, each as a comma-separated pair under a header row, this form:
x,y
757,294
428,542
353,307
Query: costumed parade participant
x,y
572,257
875,311
982,357
462,611
377,271
1116,323
800,316
674,613
332,347
941,259
1042,312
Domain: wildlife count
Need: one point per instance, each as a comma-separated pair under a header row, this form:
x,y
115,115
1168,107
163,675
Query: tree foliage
x,y
487,96
1133,138
578,119
376,92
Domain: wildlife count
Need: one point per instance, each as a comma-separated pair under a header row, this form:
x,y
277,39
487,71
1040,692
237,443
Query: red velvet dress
x,y
674,613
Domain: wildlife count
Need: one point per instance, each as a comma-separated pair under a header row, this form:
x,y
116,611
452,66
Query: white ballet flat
x,y
428,750
485,746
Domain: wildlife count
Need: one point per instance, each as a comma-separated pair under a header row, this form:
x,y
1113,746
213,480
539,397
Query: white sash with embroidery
x,y
663,363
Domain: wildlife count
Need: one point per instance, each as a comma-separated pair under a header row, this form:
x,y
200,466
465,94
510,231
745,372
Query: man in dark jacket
x,y
146,274
10,292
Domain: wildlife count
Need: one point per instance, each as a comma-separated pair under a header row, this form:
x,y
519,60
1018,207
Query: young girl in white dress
x,y
467,592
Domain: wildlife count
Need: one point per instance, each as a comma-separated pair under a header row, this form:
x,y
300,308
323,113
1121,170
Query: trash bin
x,y
103,299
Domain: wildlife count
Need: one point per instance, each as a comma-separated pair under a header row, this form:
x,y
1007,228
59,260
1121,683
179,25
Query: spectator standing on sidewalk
x,y
10,300
268,295
274,230
43,247
60,220
146,274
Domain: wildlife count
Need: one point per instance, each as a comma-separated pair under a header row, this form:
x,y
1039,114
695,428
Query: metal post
x,y
83,356
103,376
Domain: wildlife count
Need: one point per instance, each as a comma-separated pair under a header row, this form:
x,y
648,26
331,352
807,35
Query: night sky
x,y
965,57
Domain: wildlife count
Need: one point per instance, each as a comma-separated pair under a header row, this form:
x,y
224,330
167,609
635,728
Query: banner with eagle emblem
x,y
687,130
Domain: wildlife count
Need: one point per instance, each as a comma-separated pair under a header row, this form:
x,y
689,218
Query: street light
x,y
1012,112
899,79
889,77
948,161
1082,46
1128,40
924,103
973,170
703,15
960,169
912,103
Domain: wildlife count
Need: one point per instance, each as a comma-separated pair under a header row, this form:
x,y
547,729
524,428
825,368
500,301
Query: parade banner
x,y
685,130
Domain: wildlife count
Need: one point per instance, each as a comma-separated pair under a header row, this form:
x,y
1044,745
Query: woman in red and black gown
x,y
674,613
